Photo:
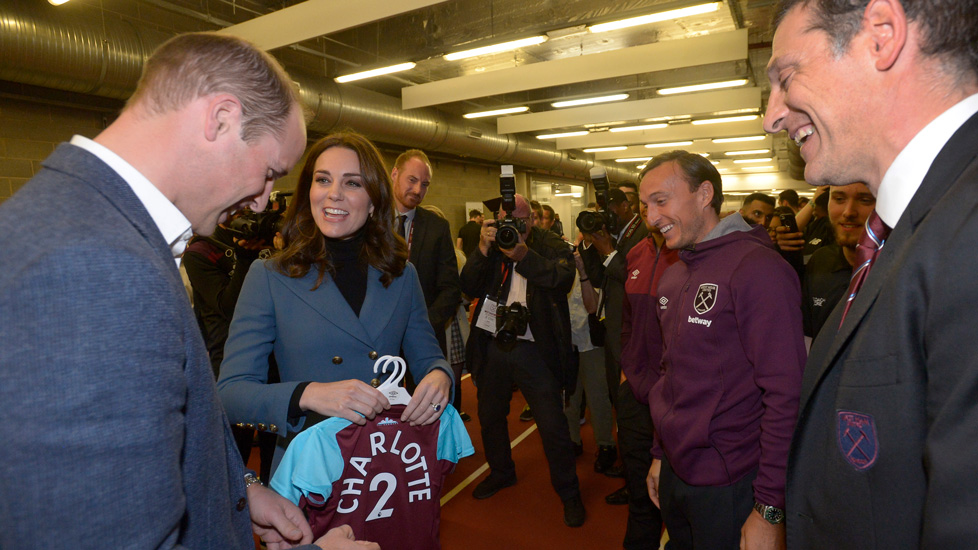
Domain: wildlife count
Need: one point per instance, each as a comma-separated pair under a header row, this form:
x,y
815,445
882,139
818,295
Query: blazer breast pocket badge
x,y
857,438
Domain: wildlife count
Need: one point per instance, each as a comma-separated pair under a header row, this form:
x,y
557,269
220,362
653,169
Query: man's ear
x,y
705,192
223,115
886,23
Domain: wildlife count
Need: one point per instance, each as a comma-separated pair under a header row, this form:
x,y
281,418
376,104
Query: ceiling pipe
x,y
103,56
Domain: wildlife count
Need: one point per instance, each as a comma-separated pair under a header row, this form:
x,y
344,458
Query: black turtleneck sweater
x,y
350,271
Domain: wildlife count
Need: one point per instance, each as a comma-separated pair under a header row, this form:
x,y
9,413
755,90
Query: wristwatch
x,y
772,515
251,479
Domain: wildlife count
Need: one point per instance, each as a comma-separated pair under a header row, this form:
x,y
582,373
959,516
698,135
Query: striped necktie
x,y
870,244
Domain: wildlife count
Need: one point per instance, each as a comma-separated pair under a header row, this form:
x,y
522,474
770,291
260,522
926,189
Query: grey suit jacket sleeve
x,y
91,402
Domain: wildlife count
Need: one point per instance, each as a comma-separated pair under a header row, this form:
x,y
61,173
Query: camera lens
x,y
507,237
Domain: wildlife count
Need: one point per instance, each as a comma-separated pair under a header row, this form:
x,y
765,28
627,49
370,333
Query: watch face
x,y
773,515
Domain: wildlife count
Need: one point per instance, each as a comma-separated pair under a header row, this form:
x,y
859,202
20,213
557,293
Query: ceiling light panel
x,y
659,107
659,56
497,112
700,145
655,17
740,139
497,48
748,152
314,18
675,132
375,72
638,128
702,87
724,120
589,101
668,144
563,135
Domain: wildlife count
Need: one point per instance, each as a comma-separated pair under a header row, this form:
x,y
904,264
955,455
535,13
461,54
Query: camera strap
x,y
506,268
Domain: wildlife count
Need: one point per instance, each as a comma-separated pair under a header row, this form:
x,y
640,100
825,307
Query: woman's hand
x,y
433,390
347,399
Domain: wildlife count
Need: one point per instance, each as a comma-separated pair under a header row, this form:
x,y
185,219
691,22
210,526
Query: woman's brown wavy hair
x,y
305,245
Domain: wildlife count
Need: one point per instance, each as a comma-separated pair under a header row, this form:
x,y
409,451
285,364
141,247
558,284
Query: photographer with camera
x,y
613,230
216,266
521,333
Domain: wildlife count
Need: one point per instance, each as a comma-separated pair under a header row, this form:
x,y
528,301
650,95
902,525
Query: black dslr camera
x,y
592,222
511,323
508,229
260,225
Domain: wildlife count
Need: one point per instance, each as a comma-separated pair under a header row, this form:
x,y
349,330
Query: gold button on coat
x,y
372,355
337,359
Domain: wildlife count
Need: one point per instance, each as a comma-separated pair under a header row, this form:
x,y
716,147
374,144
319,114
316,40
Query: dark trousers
x,y
524,365
644,527
704,518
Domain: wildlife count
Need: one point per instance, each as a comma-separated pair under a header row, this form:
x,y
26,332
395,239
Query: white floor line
x,y
482,469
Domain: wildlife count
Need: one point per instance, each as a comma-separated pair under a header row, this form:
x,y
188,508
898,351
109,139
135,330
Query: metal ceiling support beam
x,y
675,132
698,146
314,18
685,104
660,56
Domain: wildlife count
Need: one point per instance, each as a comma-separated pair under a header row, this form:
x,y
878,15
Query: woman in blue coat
x,y
340,295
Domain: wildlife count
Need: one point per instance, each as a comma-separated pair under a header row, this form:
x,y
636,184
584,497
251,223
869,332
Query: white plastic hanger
x,y
391,388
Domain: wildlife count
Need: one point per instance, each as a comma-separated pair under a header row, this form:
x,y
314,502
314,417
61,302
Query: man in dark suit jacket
x,y
429,241
113,433
885,449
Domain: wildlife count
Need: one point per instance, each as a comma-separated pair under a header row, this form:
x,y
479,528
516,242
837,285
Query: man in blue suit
x,y
886,92
113,436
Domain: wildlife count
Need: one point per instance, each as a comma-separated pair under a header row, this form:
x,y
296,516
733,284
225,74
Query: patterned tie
x,y
870,244
401,220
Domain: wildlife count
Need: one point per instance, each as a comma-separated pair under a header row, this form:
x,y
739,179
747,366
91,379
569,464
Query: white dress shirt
x,y
173,225
904,176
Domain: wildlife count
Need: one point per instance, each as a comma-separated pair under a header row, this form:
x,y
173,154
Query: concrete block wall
x,y
30,131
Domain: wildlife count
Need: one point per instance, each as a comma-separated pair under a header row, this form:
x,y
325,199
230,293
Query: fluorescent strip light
x,y
563,135
496,48
751,152
758,168
704,155
605,149
57,2
375,72
726,119
738,139
636,128
656,17
714,163
701,87
589,100
567,195
636,159
497,112
670,144
750,161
